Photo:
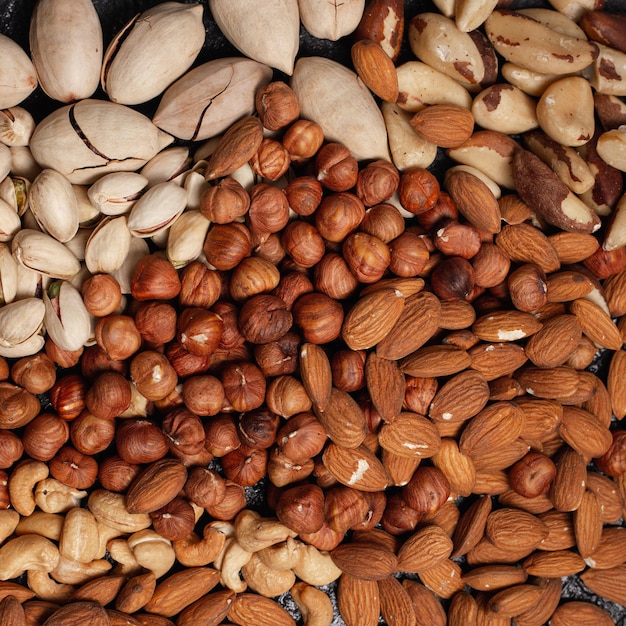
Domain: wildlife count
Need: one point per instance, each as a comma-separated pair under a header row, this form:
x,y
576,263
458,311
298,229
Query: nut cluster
x,y
399,362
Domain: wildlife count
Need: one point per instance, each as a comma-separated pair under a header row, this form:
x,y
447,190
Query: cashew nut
x,y
39,523
234,558
53,496
152,551
284,555
110,509
25,553
126,562
48,589
265,580
79,539
254,532
75,573
195,552
105,534
22,481
9,520
314,604
315,567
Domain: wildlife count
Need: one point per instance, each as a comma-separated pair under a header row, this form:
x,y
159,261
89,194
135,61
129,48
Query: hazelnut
x,y
271,160
200,286
184,431
453,278
377,504
67,396
491,266
17,406
264,318
258,428
91,434
4,369
367,256
304,194
302,437
73,468
333,277
184,363
156,321
281,470
445,209
270,248
205,487
11,448
221,435
345,507
336,168
140,441
532,475
303,139
277,105
269,209
154,278
528,287
303,243
383,221
324,539
63,358
338,215
252,276
291,286
116,475
427,490
245,466
408,255
279,357
175,520
226,245
225,201
399,517
231,337
286,396
36,373
301,508
613,461
101,294
419,393
377,182
108,396
604,263
199,331
44,436
244,385
234,500
456,239
203,395
152,375
118,336
348,369
319,317
96,360
418,190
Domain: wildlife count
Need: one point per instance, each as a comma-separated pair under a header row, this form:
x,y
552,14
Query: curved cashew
x,y
234,558
265,580
75,573
27,552
126,562
314,604
284,555
195,552
105,534
9,519
110,509
48,589
39,523
22,483
315,567
152,551
53,496
254,532
79,539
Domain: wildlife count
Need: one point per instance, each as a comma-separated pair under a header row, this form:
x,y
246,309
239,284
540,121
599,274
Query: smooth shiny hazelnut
x,y
67,396
252,276
270,247
319,317
226,245
11,448
44,436
225,201
291,286
221,435
367,256
205,487
348,369
118,336
532,475
264,318
116,475
175,520
91,434
184,431
281,470
302,437
153,375
245,466
452,278
96,360
444,209
286,396
200,286
408,255
36,373
258,428
279,357
277,105
336,168
528,287
109,395
399,517
338,215
234,500
154,278
491,266
184,363
140,441
269,209
333,277
456,239
101,294
73,468
383,221
418,190
156,321
271,160
304,194
377,182
203,395
199,330
63,358
303,243
301,508
244,385
345,507
427,490
303,139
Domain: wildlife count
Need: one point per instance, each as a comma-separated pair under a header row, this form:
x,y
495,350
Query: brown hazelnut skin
x,y
225,201
271,160
269,209
456,239
333,277
252,276
152,375
175,520
408,255
101,294
336,168
116,475
282,471
604,263
73,468
491,266
319,317
377,182
613,461
199,330
44,436
4,369
184,431
344,507
277,105
302,437
286,396
200,286
36,373
453,278
399,517
90,434
67,396
154,278
528,288
325,538
304,194
244,385
303,139
419,393
109,395
5,499
203,394
427,490
184,363
11,448
156,321
348,369
303,243
245,466
291,286
445,208
258,428
301,508
221,435
63,358
96,360
118,336
418,190
383,221
226,245
367,256
264,318
338,215
280,357
234,500
532,475
140,441
205,487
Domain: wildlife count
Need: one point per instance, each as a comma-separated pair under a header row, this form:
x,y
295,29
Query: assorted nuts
x,y
290,300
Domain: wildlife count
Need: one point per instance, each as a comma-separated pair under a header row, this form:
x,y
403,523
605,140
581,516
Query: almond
x,y
250,608
424,549
316,374
436,360
536,505
615,293
457,467
514,600
588,525
611,502
492,577
12,612
101,590
22,593
456,314
444,579
485,553
555,341
615,383
523,243
608,583
445,125
471,526
343,419
581,614
376,69
573,247
505,325
554,564
560,531
365,561
611,550
358,601
386,386
543,609
542,418
568,285
411,435
513,528
157,485
597,324
395,604
79,614
461,397
427,607
356,467
549,383
499,457
494,360
463,610
568,486
584,432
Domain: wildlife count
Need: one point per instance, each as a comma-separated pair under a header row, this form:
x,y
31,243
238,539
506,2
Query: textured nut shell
x,y
108,245
17,74
42,253
115,193
66,47
67,321
335,98
151,52
157,209
20,320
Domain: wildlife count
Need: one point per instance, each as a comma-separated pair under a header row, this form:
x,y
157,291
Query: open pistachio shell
x,y
85,140
20,320
66,319
66,46
16,126
43,253
152,51
18,78
115,193
9,221
157,209
32,345
169,165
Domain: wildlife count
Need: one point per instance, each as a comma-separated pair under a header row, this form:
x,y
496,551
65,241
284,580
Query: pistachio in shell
x,y
18,78
157,209
66,319
108,245
20,320
44,254
331,20
115,193
16,126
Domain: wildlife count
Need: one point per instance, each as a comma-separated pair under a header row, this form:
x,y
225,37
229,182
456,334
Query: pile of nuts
x,y
402,363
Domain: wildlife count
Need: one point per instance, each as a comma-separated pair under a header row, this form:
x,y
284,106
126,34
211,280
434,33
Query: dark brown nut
x,y
528,287
491,265
63,358
101,294
302,140
304,194
302,437
301,508
184,363
140,441
234,500
175,520
444,209
269,209
345,507
399,517
152,375
408,255
199,330
200,286
184,432
225,201
303,243
333,277
73,468
36,373
338,215
280,357
286,396
319,317
613,461
277,105
205,487
118,336
264,318
221,435
418,190
203,395
67,396
383,22
419,393
427,490
258,428
245,466
456,239
383,221
116,475
269,247
96,360
453,278
377,182
226,245
11,448
348,369
336,168
292,286
244,385
154,278
532,475
109,395
44,436
271,160
367,256
91,434
606,28
156,321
